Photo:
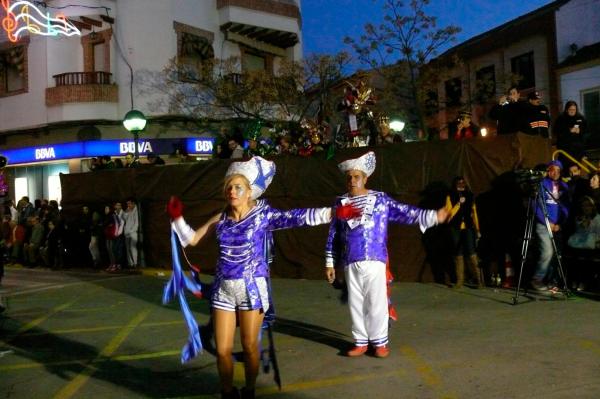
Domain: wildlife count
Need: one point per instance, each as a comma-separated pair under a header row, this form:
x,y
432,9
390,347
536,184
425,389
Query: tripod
x,y
537,198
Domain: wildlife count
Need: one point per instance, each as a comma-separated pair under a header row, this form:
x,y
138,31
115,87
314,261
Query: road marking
x,y
425,371
72,387
590,345
120,358
103,328
40,320
7,294
315,384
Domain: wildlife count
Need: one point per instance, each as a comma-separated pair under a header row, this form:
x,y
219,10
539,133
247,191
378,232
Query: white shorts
x,y
232,295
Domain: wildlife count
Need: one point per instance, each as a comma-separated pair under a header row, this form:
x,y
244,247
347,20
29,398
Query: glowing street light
x,y
135,122
397,126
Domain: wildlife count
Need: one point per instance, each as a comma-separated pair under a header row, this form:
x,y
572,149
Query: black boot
x,y
233,394
247,393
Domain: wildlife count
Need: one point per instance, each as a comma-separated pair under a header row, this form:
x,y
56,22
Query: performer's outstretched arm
x,y
187,235
409,214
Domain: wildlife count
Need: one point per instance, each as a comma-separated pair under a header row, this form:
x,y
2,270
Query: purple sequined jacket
x,y
365,238
243,245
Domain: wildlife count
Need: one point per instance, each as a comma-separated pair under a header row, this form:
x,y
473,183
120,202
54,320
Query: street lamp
x,y
397,126
135,122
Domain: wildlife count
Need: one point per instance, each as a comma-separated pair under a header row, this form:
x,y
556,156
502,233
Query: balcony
x,y
271,22
82,87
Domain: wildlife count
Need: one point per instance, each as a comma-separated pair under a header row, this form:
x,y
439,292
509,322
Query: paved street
x,y
79,334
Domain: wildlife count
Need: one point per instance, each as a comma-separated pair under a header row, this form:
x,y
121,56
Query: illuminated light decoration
x,y
484,132
19,19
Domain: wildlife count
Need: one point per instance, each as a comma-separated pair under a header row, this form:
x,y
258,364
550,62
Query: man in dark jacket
x,y
536,120
508,112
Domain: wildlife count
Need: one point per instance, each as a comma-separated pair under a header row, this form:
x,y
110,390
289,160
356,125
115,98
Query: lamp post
x,y
135,122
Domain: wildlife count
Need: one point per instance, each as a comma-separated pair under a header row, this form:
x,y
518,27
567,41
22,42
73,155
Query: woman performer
x,y
240,285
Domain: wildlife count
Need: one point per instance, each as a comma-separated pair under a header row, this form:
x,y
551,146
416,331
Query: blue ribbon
x,y
176,287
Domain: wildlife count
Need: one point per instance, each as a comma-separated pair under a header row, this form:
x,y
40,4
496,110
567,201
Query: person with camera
x,y
508,112
554,193
464,128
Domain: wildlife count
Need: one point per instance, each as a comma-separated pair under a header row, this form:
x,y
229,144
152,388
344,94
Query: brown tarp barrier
x,y
403,171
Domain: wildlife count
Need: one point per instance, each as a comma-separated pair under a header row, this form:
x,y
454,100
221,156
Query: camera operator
x,y
554,193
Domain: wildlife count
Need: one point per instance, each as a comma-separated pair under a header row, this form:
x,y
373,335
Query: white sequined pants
x,y
368,301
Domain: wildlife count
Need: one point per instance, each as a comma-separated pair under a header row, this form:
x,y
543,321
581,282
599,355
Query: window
x,y
523,67
485,84
13,70
591,111
54,189
253,62
194,49
21,188
453,89
431,102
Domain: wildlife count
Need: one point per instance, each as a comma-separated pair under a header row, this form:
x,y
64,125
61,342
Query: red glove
x,y
347,211
175,207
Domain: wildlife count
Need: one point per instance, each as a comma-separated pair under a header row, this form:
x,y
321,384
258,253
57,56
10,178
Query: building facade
x,y
529,51
63,98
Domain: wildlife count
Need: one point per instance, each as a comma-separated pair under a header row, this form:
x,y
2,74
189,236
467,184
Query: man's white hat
x,y
365,164
257,170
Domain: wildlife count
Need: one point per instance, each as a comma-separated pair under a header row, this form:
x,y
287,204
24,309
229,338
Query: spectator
x,y
585,239
536,116
112,230
594,189
107,162
236,149
14,213
508,112
32,247
130,161
119,163
15,241
555,195
49,252
154,159
570,130
464,225
463,128
95,238
130,231
26,210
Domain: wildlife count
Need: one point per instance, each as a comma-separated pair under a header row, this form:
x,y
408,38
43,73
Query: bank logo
x,y
44,153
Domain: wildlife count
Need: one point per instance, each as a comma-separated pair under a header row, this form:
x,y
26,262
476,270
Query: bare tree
x,y
221,89
408,38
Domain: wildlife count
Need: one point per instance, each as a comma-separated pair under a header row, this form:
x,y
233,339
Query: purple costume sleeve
x,y
279,219
409,214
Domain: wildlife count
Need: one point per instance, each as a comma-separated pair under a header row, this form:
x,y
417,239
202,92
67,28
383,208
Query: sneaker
x,y
357,351
539,286
382,351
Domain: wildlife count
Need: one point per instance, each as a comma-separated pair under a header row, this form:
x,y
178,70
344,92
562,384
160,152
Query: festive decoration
x,y
312,139
24,16
355,104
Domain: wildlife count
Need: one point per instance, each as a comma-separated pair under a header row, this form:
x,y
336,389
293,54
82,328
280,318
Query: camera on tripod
x,y
530,176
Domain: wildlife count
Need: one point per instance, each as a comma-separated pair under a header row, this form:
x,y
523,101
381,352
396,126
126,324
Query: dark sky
x,y
327,22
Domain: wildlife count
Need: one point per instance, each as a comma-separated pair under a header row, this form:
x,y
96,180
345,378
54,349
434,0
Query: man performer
x,y
359,245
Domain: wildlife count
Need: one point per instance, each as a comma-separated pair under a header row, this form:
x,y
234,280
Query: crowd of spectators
x,y
38,235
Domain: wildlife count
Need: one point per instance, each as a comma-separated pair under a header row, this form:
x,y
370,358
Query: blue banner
x,y
88,149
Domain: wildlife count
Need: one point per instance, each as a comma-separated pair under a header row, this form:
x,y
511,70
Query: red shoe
x,y
382,351
357,351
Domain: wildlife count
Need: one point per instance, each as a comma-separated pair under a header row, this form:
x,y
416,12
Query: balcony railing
x,y
82,78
